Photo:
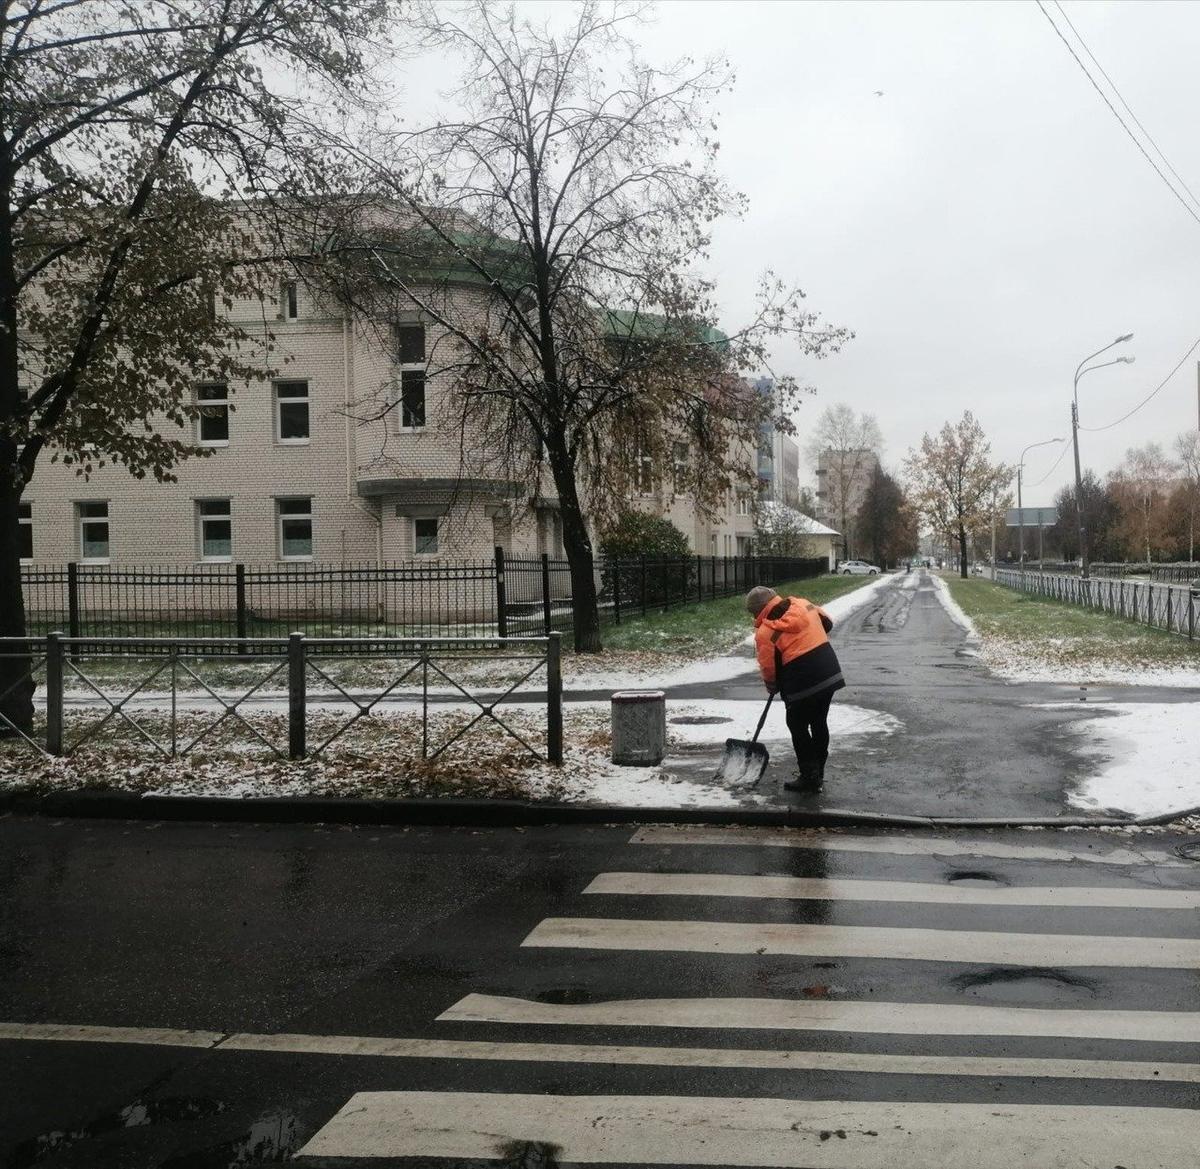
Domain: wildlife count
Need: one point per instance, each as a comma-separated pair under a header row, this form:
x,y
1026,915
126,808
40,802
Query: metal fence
x,y
243,604
1181,573
1162,606
143,698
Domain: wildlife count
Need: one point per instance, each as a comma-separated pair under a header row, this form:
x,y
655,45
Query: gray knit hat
x,y
758,598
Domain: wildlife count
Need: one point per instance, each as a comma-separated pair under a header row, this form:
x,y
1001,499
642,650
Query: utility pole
x,y
1083,548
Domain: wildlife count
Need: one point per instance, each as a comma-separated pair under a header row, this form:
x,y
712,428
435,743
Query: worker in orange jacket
x,y
797,661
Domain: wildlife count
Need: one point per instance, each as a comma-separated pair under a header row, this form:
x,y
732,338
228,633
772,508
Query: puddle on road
x,y
271,1139
1025,985
139,1114
975,878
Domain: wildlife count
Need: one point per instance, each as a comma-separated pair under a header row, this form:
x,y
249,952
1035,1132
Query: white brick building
x,y
342,456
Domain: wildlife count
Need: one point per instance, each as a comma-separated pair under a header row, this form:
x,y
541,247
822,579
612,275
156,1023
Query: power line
x,y
1113,109
1151,394
1125,105
1047,475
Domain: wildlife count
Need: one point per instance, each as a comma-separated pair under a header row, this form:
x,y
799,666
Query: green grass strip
x,y
711,627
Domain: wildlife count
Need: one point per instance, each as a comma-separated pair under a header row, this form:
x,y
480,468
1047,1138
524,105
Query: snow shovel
x,y
744,761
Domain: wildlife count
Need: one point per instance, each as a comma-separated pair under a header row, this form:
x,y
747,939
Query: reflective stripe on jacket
x,y
792,632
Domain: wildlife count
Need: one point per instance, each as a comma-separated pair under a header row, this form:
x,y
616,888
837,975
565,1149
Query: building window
x,y
212,424
25,533
680,466
743,503
295,528
410,349
93,532
412,399
291,301
643,473
216,529
291,411
425,537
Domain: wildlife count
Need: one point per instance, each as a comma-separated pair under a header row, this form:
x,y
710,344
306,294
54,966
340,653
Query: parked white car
x,y
858,568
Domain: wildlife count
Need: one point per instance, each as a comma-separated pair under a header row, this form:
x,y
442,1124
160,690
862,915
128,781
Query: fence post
x,y
554,710
1191,615
297,746
642,562
546,593
54,693
614,567
240,601
501,595
73,599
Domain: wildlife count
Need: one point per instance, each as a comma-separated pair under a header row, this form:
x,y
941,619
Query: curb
x,y
465,813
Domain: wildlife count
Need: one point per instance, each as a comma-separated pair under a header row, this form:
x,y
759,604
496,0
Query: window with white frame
x,y
295,528
215,523
93,532
680,467
25,532
291,411
643,473
410,351
290,301
743,503
425,536
212,422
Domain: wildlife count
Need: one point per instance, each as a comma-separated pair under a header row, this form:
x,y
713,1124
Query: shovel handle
x,y
762,720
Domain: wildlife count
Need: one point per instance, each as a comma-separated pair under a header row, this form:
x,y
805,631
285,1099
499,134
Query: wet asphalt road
x,y
971,744
318,932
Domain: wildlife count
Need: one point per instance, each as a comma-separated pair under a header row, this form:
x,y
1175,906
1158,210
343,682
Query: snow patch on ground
x,y
953,608
1145,758
1011,661
844,720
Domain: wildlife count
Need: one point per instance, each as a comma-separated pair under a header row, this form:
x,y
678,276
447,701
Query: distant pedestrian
x,y
791,638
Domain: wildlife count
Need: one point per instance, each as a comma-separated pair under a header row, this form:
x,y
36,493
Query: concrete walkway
x,y
967,744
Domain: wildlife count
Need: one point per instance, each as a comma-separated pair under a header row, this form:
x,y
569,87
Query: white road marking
x,y
896,845
703,1130
849,1015
843,941
385,1047
821,889
72,1033
724,1057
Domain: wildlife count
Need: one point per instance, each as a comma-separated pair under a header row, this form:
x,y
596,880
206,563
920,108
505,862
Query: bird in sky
x,y
879,93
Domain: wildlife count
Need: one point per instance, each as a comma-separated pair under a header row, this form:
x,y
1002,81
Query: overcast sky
x,y
981,226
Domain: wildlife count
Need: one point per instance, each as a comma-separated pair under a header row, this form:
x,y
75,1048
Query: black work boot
x,y
807,779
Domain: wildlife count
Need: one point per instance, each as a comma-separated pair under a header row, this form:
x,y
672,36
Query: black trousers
x,y
808,722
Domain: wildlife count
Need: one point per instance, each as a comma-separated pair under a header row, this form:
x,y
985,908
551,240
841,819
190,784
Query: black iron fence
x,y
81,699
503,597
1174,608
1181,573
1177,573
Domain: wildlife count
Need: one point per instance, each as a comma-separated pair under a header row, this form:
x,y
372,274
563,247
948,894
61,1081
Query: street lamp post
x,y
1084,557
1020,507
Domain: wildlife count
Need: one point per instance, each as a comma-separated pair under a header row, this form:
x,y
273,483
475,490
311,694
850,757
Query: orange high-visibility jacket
x,y
792,632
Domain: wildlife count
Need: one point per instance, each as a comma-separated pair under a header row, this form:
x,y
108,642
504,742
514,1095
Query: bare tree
x,y
127,127
846,447
1187,450
578,192
952,481
1140,486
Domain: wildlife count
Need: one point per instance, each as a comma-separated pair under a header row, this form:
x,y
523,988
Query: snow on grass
x,y
1145,756
953,608
380,756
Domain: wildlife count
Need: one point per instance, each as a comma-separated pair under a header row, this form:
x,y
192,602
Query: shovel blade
x,y
743,763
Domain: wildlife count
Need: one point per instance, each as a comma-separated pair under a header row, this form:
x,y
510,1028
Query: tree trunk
x,y
16,684
962,551
585,606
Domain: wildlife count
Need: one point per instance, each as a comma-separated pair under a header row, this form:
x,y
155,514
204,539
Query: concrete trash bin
x,y
639,727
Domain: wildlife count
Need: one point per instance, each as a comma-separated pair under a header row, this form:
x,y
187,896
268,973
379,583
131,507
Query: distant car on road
x,y
858,568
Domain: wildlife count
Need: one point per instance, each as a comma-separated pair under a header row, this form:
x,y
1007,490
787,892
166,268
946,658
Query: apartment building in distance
x,y
340,454
843,477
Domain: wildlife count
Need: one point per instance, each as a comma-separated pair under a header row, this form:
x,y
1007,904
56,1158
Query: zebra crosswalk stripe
x,y
704,1130
823,889
847,1015
932,846
835,941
